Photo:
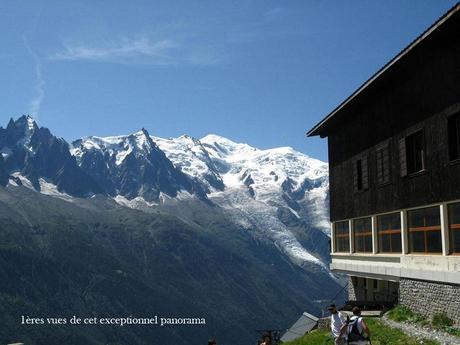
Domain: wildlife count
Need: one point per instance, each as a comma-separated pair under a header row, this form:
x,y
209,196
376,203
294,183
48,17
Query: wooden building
x,y
394,165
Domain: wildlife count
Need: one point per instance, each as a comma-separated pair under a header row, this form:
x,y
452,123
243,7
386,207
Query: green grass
x,y
443,323
381,335
452,330
316,337
384,335
439,321
400,313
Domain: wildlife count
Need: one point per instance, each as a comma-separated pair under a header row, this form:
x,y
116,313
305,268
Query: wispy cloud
x,y
141,50
39,86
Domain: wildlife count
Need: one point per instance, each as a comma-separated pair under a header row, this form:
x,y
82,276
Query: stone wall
x,y
355,293
428,298
351,290
324,323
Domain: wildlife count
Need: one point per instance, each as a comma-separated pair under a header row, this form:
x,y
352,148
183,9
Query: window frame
x,y
451,228
360,170
390,232
341,236
405,148
425,229
363,235
383,172
414,152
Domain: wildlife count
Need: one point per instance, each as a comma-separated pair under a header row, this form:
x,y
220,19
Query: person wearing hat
x,y
338,320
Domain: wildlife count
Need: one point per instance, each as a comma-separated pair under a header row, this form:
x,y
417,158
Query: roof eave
x,y
316,129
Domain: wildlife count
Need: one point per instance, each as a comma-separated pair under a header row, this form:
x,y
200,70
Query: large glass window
x,y
342,237
362,231
425,230
454,227
389,233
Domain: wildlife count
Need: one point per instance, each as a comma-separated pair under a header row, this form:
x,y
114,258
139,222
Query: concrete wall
x,y
429,298
433,268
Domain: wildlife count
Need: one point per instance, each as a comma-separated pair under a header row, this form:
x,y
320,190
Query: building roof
x,y
303,325
317,129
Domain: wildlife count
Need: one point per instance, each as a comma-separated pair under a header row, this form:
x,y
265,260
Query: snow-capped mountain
x,y
132,166
136,224
257,186
279,194
192,158
33,155
280,176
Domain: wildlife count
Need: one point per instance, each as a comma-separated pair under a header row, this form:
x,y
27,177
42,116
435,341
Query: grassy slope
x,y
381,335
440,321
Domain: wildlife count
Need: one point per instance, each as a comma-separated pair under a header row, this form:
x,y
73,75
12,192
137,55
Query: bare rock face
x,y
140,225
34,153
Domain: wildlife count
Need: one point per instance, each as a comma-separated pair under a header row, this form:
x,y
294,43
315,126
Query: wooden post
x,y
352,244
333,249
404,233
444,229
375,240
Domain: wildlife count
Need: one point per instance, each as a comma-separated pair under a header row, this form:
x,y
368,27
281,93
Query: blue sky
x,y
261,72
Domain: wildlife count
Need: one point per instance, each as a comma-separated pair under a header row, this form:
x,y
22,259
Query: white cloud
x,y
135,51
39,87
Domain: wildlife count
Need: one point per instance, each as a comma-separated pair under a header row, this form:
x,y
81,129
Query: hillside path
x,y
420,332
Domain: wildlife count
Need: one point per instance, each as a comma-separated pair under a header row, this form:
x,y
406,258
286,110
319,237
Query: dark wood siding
x,y
417,93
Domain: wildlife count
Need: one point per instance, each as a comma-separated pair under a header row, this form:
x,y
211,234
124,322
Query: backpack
x,y
353,333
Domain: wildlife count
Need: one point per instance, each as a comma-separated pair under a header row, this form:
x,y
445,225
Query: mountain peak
x,y
214,138
21,130
189,139
144,132
26,121
142,140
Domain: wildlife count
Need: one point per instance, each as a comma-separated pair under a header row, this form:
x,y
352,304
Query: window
x,y
360,174
389,233
383,164
453,133
425,230
454,227
362,231
342,237
376,284
412,153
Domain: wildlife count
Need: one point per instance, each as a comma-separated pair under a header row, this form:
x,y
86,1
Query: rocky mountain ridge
x,y
267,191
